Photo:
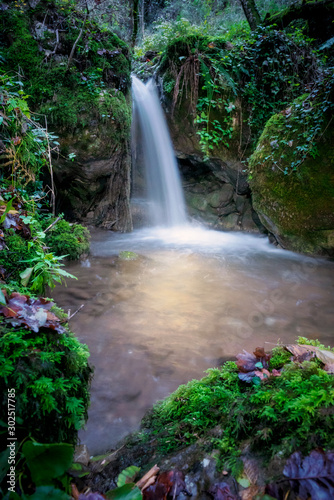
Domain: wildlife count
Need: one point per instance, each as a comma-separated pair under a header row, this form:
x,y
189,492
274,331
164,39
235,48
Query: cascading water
x,y
164,190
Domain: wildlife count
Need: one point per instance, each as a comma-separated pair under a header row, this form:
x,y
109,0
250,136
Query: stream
x,y
192,299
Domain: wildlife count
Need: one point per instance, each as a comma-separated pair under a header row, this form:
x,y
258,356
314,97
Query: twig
x,y
75,43
49,227
53,196
79,309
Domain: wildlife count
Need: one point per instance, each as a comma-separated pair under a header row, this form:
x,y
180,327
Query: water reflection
x,y
183,306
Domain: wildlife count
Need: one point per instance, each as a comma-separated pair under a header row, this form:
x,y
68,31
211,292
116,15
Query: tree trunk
x,y
251,13
135,15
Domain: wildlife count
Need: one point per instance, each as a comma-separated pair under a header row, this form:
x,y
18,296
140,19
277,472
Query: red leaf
x,y
17,140
221,491
168,485
32,313
246,361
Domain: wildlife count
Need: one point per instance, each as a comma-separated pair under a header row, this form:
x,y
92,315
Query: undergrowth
x,y
51,377
282,414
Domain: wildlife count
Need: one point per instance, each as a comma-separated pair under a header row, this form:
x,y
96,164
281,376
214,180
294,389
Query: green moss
x,y
14,254
69,98
50,375
67,239
282,414
292,176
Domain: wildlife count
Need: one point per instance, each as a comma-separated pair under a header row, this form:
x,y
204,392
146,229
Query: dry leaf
x,y
151,473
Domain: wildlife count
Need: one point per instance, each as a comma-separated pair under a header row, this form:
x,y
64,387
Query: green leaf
x,y
126,492
25,276
49,492
243,482
47,461
127,475
8,207
4,465
2,301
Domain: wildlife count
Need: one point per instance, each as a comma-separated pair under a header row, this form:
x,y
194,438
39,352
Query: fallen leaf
x,y
151,473
156,491
246,361
312,476
17,140
251,470
251,492
221,491
329,367
32,313
74,492
168,485
300,353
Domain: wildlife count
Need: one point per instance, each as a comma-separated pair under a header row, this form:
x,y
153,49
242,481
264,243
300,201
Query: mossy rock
x,y
86,104
126,255
67,239
293,195
51,378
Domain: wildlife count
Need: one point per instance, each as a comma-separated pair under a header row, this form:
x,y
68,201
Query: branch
x,y
75,43
49,227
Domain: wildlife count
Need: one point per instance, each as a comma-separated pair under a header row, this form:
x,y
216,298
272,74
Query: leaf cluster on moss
x,y
67,239
51,377
283,414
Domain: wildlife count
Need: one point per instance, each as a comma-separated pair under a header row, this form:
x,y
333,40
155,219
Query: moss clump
x,y
291,175
68,239
13,255
281,414
51,376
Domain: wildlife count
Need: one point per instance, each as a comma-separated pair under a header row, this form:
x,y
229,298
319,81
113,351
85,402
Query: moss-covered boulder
x,y
50,376
84,99
292,175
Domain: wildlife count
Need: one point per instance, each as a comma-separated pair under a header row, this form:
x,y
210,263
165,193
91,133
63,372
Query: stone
x,y
81,454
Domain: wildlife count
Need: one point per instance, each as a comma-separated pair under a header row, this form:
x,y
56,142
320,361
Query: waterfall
x,y
164,190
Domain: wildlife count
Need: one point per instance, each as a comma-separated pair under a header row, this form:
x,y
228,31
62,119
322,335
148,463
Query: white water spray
x,y
164,190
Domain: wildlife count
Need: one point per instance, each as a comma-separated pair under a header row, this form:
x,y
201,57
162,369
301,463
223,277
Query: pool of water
x,y
193,299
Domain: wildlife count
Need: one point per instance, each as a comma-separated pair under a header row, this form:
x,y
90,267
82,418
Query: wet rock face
x,y
95,186
216,197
